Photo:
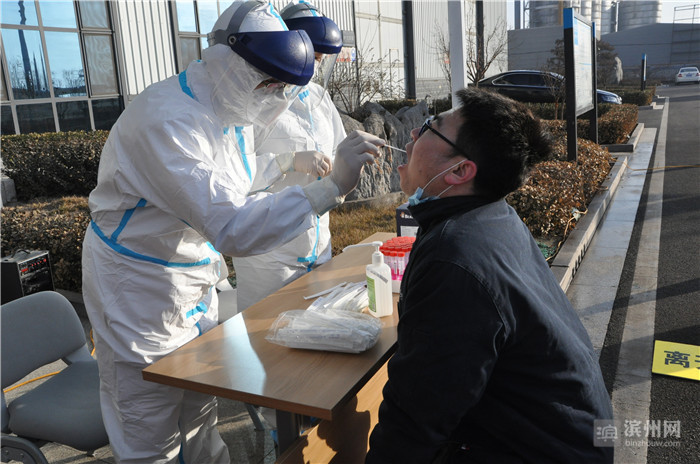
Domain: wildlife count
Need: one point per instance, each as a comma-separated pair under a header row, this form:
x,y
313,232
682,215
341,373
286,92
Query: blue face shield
x,y
285,55
325,35
323,32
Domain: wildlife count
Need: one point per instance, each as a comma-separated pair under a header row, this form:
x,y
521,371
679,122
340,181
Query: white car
x,y
688,75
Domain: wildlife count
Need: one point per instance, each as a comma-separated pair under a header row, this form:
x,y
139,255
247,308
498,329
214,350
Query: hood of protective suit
x,y
237,63
233,93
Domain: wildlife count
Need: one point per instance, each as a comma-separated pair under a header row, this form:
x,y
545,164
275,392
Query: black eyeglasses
x,y
427,125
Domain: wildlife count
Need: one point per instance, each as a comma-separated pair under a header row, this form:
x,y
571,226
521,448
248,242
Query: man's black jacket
x,y
492,359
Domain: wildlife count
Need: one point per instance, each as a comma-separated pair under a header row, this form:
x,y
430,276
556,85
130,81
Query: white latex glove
x,y
356,150
312,162
352,154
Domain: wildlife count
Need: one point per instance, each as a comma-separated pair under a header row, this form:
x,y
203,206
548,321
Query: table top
x,y
234,360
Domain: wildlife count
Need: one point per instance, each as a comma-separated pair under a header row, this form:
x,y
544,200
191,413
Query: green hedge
x,y
634,96
393,106
614,126
556,190
52,164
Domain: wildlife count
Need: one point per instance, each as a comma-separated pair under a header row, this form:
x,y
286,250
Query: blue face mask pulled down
x,y
417,197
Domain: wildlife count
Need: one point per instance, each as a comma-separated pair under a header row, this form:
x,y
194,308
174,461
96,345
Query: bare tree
x,y
555,64
354,83
442,50
495,45
605,61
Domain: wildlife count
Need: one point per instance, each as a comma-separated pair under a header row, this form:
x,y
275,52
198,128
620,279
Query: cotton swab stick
x,y
394,148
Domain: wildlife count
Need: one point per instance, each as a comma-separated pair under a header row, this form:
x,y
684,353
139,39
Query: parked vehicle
x,y
688,74
536,87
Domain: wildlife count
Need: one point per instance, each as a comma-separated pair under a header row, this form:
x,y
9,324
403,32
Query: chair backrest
x,y
36,330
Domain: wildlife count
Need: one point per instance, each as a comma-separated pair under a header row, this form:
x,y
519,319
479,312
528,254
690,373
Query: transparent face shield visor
x,y
271,98
323,70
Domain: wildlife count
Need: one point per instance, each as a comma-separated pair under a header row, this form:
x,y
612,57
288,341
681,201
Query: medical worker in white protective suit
x,y
172,194
312,122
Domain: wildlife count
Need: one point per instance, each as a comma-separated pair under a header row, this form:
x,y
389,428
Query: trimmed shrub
x,y
545,203
52,164
636,97
440,105
615,126
557,190
57,225
550,110
393,106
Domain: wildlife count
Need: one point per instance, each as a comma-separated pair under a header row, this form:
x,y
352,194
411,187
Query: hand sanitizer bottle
x,y
378,273
379,285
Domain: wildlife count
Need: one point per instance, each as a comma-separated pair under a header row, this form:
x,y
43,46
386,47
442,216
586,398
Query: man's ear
x,y
461,174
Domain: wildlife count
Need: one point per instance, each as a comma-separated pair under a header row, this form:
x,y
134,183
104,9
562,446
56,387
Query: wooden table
x,y
235,361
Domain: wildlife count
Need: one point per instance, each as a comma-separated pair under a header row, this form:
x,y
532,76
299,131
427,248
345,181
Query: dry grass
x,y
352,225
349,226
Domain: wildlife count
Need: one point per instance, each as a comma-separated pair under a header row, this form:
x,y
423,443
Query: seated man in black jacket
x,y
493,365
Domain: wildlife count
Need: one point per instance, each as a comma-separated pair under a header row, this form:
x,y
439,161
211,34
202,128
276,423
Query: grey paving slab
x,y
631,188
601,266
624,208
593,304
614,234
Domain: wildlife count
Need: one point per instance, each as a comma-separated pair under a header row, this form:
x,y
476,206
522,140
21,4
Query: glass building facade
x,y
194,20
59,69
74,65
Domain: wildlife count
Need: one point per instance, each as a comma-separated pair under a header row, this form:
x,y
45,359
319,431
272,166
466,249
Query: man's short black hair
x,y
502,137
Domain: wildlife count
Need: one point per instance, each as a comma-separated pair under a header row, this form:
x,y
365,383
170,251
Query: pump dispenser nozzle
x,y
376,244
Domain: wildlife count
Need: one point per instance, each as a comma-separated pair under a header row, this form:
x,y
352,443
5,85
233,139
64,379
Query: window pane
x,y
106,112
190,50
56,13
3,92
67,71
537,80
25,63
207,15
35,118
8,124
100,62
94,14
18,12
185,16
73,116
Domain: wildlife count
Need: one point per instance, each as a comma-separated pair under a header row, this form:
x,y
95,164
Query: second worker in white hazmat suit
x,y
312,122
171,196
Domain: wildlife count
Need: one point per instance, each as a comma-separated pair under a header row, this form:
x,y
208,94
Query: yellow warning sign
x,y
677,359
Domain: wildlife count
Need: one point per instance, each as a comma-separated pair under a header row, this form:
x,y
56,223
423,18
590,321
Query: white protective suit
x,y
172,193
312,122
